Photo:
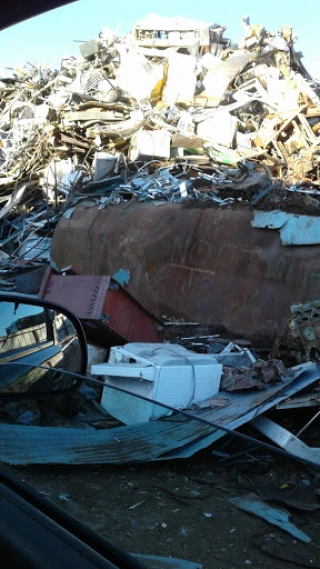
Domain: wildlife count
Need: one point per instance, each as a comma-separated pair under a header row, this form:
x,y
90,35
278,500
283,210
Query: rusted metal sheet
x,y
197,263
153,440
107,311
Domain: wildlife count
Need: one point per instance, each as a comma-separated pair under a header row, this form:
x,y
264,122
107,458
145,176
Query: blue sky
x,y
50,36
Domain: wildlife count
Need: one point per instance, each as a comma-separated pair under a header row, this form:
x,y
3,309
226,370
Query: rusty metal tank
x,y
197,263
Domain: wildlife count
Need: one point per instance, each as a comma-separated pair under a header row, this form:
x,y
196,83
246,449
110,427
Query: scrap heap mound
x,y
171,111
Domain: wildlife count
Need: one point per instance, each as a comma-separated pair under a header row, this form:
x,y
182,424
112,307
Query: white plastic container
x,y
167,373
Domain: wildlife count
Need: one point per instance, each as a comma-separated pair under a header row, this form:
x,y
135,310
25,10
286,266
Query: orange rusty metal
x,y
108,312
196,263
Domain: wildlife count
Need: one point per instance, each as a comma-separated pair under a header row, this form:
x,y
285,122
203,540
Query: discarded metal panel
x,y
200,264
30,282
155,440
108,312
294,229
310,399
269,219
280,518
239,400
122,445
287,440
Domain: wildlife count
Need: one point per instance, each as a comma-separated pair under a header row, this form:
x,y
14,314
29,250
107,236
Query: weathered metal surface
x,y
270,219
155,440
202,264
105,308
245,407
275,516
286,440
294,229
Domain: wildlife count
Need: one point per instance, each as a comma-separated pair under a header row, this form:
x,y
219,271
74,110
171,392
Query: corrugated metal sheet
x,y
174,437
244,407
198,263
123,445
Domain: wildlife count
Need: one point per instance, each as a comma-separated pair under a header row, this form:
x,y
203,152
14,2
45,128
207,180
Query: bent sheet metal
x,y
175,437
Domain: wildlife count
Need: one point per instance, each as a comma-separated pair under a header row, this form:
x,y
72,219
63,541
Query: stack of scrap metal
x,y
172,111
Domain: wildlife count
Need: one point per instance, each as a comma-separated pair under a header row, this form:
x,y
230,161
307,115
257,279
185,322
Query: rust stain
x,y
204,265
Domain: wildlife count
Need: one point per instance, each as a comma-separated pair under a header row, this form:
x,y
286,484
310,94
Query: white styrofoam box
x,y
166,373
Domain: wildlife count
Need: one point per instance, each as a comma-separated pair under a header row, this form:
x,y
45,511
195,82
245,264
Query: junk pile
x,y
172,111
156,401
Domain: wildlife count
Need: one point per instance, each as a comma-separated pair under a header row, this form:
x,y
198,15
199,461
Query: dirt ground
x,y
181,508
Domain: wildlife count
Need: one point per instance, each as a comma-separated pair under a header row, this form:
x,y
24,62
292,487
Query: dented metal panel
x,y
162,440
194,262
286,440
104,307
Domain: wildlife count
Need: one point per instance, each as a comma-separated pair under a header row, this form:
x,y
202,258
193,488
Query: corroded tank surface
x,y
200,264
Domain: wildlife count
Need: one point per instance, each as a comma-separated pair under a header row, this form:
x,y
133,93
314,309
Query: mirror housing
x,y
37,336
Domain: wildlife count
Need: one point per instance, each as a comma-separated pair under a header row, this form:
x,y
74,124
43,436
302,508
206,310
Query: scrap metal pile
x,y
172,111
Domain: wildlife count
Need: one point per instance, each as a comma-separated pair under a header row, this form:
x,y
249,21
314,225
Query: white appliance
x,y
166,373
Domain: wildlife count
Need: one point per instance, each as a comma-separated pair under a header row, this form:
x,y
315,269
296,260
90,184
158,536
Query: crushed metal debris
x,y
172,111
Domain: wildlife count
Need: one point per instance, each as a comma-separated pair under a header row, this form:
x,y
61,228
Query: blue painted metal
x,y
275,516
294,229
301,230
174,437
269,219
122,277
240,401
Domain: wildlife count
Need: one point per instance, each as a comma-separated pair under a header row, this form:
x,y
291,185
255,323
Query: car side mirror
x,y
33,333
